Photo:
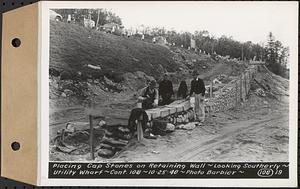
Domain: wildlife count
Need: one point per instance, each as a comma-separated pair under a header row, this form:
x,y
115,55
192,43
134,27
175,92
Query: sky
x,y
244,21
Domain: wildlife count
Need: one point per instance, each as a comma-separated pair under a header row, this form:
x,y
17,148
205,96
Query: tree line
x,y
99,16
273,53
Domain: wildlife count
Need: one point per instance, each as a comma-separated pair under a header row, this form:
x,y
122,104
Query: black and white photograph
x,y
170,82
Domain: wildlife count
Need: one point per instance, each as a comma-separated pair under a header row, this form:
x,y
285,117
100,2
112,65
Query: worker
x,y
166,90
149,96
198,89
135,116
182,90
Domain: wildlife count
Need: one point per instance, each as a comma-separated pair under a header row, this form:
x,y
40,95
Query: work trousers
x,y
199,107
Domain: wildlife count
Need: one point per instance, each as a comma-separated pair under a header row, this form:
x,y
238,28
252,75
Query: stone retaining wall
x,y
233,93
228,97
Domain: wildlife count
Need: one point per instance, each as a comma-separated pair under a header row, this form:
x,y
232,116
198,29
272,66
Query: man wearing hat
x,y
198,88
149,96
165,90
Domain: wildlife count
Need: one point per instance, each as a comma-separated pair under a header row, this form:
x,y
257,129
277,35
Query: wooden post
x,y
236,93
246,84
211,90
241,88
98,19
91,137
140,128
63,135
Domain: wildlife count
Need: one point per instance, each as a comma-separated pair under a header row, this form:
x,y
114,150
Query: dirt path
x,y
248,135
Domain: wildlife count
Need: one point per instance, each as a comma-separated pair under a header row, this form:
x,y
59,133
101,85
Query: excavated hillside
x,y
73,46
124,65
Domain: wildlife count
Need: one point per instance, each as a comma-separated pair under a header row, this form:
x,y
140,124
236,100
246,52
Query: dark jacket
x,y
182,90
197,87
165,88
135,114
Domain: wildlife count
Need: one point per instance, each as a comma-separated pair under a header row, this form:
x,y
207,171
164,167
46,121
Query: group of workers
x,y
150,95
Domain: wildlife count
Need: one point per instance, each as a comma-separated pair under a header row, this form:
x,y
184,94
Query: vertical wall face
x,y
19,94
234,92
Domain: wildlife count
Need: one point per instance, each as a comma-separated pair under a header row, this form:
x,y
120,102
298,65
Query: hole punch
x,y
15,146
12,3
3,3
16,42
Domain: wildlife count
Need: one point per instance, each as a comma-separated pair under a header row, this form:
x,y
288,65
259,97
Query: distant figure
x,y
182,90
198,88
149,96
166,90
143,37
69,18
154,40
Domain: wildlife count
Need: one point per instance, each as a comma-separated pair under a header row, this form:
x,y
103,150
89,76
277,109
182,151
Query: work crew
x,y
149,96
182,90
165,90
198,88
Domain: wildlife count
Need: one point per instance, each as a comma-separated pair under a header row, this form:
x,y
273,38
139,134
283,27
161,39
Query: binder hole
x,y
3,3
16,42
12,3
15,146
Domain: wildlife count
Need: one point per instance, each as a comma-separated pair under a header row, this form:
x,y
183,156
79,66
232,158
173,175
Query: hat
x,y
195,73
152,83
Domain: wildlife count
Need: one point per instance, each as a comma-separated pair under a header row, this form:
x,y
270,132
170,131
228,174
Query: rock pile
x,y
108,139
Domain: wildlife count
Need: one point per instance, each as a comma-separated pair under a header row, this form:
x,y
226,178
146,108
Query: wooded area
x,y
273,53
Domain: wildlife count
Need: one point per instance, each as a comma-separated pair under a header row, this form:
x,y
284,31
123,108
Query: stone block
x,y
164,113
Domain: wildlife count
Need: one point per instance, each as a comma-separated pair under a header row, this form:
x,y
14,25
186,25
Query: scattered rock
x,y
63,95
170,127
216,81
155,152
188,126
106,153
101,123
260,92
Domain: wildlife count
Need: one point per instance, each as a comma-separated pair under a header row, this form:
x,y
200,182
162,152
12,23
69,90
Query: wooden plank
x,y
211,90
140,129
92,137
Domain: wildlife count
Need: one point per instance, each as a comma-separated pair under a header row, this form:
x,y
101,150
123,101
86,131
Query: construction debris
x,y
187,126
260,92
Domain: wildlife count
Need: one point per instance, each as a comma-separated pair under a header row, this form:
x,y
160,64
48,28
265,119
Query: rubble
x,y
216,81
187,126
106,153
170,127
260,92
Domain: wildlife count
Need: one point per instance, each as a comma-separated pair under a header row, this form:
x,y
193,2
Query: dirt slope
x,y
73,46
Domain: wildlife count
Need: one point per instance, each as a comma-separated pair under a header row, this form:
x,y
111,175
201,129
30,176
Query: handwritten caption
x,y
168,170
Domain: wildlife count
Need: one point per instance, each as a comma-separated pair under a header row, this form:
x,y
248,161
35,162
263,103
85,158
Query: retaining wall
x,y
228,97
233,93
